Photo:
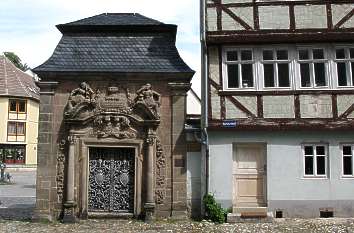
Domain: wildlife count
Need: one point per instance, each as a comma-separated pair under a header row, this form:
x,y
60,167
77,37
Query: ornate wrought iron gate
x,y
111,180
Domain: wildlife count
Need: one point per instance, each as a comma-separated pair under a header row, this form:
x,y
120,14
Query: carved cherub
x,y
150,97
84,90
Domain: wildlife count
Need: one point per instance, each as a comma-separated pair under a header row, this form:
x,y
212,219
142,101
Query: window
x,y
13,154
291,67
17,106
16,131
239,65
312,64
344,59
315,160
347,160
276,68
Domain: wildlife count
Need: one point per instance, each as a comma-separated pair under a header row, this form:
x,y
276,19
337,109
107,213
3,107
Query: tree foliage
x,y
16,61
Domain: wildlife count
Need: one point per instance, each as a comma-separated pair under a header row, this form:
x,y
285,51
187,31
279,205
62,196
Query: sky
x,y
27,27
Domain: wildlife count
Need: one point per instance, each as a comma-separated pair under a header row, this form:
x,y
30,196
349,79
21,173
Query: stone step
x,y
250,214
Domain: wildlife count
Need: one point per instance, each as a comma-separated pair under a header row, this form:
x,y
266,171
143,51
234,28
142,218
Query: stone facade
x,y
84,110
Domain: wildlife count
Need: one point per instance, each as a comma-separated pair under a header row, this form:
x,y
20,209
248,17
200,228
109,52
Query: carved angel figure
x,y
82,94
150,97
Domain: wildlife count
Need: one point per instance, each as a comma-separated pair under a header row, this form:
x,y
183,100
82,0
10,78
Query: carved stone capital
x,y
150,140
72,139
179,88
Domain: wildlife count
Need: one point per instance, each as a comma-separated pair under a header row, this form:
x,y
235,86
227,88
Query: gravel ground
x,y
127,226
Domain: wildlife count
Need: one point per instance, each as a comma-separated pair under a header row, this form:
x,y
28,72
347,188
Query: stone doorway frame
x,y
84,153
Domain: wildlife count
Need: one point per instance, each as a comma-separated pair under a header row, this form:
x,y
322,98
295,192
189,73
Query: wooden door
x,y
249,176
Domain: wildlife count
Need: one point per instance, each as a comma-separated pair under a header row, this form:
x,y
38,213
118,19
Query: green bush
x,y
214,210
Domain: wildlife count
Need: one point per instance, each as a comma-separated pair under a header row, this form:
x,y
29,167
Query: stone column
x,y
70,204
178,150
46,155
150,201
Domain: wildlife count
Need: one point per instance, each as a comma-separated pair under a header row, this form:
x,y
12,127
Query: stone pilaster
x,y
70,204
149,205
46,158
179,149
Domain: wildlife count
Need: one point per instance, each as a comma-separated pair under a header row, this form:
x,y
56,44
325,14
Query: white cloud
x,y
28,26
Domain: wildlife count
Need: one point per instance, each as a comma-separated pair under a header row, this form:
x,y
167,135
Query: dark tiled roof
x,y
116,19
116,51
14,82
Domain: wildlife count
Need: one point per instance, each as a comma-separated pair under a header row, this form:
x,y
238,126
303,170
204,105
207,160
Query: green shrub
x,y
214,210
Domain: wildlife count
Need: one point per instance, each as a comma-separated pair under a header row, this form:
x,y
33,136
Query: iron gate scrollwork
x,y
111,180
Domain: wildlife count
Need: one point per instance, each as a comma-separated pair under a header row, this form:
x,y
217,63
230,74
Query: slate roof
x,y
14,82
116,19
116,43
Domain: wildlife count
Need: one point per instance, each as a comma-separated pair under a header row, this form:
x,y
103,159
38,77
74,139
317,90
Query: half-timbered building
x,y
279,101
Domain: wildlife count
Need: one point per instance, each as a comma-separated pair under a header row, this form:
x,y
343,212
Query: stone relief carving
x,y
116,126
110,111
150,98
60,170
160,191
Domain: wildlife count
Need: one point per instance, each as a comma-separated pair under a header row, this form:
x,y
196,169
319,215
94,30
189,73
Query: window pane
x,y
320,150
308,150
22,106
20,128
340,53
267,54
347,165
347,150
308,165
12,105
318,54
321,165
11,129
246,55
351,51
305,75
231,55
283,75
232,76
303,54
320,75
269,75
282,55
247,75
342,74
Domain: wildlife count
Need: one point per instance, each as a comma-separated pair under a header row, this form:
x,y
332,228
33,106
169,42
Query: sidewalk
x,y
17,200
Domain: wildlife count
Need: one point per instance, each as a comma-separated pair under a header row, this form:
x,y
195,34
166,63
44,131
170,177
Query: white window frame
x,y
275,63
295,74
315,175
347,60
312,61
342,160
238,62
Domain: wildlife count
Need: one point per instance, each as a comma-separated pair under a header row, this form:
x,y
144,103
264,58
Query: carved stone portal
x,y
115,114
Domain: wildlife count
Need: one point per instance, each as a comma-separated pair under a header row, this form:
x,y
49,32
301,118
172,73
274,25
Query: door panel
x,y
249,176
111,180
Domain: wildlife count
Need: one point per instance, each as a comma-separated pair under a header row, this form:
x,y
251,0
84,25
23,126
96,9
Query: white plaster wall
x,y
278,107
311,16
194,181
341,10
211,19
274,17
244,13
316,106
284,165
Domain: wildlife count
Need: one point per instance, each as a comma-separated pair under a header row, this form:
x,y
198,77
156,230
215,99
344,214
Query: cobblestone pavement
x,y
127,226
17,200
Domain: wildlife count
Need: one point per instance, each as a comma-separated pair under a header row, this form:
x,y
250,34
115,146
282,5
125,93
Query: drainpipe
x,y
204,87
